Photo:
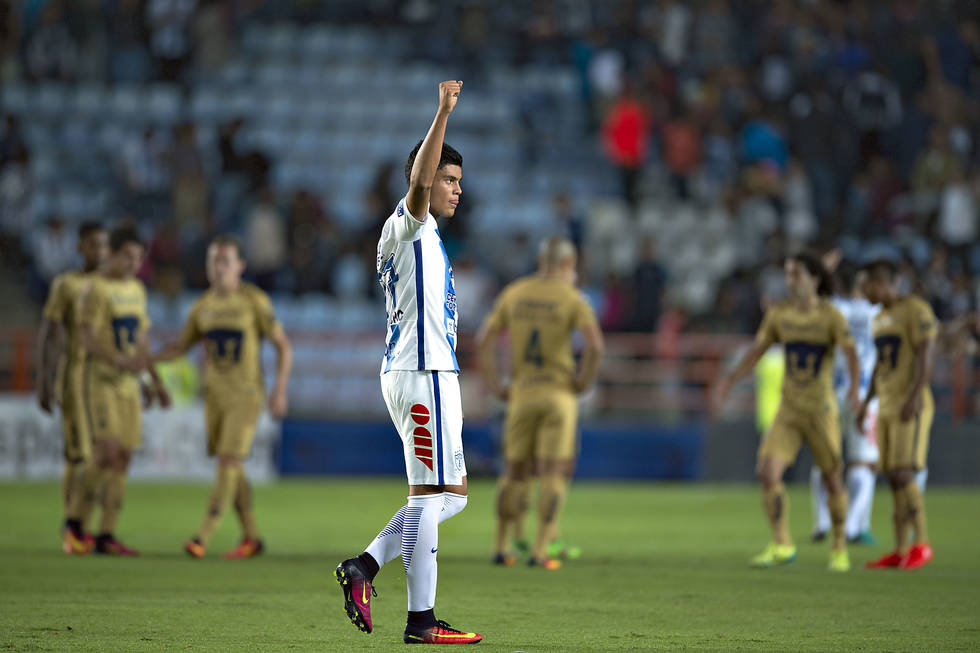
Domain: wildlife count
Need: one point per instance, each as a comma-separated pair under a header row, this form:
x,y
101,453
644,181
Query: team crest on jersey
x,y
400,211
458,460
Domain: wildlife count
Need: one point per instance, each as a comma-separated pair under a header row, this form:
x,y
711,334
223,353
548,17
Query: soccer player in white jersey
x,y
420,387
860,443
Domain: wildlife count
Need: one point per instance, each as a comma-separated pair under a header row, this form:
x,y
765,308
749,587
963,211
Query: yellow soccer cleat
x,y
839,561
774,555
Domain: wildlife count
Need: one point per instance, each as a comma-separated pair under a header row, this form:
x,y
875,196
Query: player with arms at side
x,y
232,318
905,337
61,363
114,328
809,327
420,386
860,441
540,314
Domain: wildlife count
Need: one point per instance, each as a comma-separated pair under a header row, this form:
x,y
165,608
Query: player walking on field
x,y
420,386
905,333
540,313
809,327
113,331
60,372
231,318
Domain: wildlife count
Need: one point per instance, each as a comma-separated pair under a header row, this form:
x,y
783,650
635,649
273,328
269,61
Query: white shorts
x,y
428,413
860,448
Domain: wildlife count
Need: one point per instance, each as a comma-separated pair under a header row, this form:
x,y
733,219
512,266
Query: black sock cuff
x,y
423,619
75,526
371,565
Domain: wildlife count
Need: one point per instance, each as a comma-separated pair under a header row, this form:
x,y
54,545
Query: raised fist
x,y
448,94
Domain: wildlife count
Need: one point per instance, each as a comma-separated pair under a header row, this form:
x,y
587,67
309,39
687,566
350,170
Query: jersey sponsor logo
x,y
888,347
804,360
124,330
421,436
224,346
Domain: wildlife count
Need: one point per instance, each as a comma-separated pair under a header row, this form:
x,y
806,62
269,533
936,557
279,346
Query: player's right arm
x,y
594,346
188,338
764,338
486,341
427,160
50,338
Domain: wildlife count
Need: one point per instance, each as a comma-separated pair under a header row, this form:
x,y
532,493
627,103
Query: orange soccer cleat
x,y
441,633
194,548
246,549
109,545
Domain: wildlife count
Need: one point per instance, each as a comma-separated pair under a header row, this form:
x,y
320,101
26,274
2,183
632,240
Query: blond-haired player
x,y
540,313
231,318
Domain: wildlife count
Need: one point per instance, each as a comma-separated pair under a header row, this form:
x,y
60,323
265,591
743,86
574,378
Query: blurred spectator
x,y
614,313
128,37
88,24
937,166
51,51
190,185
53,251
799,223
675,25
265,240
626,137
163,259
170,43
681,150
16,192
142,163
958,215
649,281
212,36
569,223
11,138
474,293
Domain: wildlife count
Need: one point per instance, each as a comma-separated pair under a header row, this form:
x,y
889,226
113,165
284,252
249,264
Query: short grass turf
x,y
664,567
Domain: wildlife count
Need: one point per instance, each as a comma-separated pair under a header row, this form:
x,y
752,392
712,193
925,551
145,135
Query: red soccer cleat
x,y
246,549
441,633
109,545
357,593
918,556
887,561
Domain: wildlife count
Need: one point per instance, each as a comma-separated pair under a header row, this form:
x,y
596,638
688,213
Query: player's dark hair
x,y
449,157
89,227
122,236
882,268
815,267
845,276
224,240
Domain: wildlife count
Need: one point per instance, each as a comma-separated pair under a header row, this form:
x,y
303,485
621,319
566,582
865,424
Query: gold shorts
x,y
792,427
113,409
231,420
78,439
542,427
906,444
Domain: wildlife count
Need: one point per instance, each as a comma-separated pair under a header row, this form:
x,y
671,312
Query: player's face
x,y
874,288
94,248
799,282
127,261
224,266
445,192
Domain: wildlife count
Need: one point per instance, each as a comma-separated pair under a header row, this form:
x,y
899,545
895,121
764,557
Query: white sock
x,y
420,541
861,487
453,505
818,494
921,477
388,544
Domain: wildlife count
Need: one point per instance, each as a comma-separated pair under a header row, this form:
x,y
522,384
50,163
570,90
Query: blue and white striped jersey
x,y
859,314
420,295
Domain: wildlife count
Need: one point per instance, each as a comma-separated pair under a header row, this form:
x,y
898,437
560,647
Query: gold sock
x,y
244,510
837,505
900,514
915,512
776,504
82,502
73,482
112,503
511,505
552,491
225,488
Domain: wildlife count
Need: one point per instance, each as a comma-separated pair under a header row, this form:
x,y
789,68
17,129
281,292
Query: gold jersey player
x,y
540,314
113,332
904,333
231,318
809,327
61,358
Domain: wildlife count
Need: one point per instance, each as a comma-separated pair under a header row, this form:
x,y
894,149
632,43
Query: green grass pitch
x,y
663,568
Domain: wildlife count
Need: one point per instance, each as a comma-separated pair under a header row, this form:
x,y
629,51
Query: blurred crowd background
x,y
684,146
